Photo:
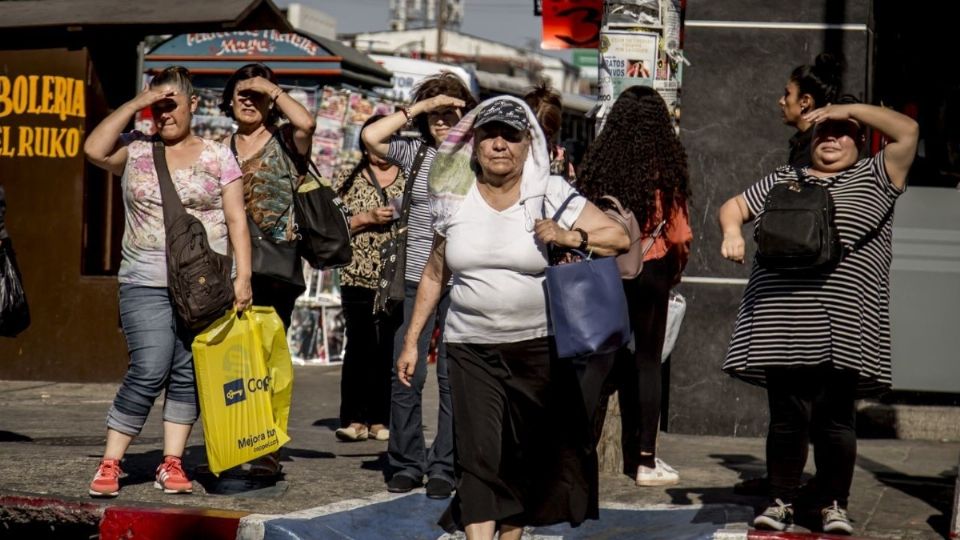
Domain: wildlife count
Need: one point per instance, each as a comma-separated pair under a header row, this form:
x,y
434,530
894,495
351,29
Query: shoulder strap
x,y
563,206
871,234
408,187
376,185
800,176
172,205
648,243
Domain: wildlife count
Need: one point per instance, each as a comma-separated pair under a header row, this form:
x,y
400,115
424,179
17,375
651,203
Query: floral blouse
x,y
269,178
143,250
360,196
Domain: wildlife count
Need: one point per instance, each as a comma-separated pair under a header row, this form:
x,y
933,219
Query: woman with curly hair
x,y
639,160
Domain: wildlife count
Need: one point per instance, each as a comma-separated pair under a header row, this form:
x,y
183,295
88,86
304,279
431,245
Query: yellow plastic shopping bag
x,y
279,362
233,383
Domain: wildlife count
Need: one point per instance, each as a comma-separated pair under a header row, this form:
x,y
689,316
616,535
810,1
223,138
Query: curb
x,y
122,522
37,516
30,516
773,535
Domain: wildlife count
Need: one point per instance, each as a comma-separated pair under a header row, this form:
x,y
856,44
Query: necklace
x,y
248,139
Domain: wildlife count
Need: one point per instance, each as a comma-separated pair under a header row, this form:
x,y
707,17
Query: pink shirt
x,y
144,260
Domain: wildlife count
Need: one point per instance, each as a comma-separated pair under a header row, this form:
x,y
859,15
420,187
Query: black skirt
x,y
523,454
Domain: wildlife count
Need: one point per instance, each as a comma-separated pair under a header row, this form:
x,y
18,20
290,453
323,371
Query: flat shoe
x,y
352,434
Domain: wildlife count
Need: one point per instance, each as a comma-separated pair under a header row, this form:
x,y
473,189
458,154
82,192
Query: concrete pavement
x,y
52,434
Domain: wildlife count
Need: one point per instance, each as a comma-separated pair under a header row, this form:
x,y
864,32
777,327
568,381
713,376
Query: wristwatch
x,y
583,239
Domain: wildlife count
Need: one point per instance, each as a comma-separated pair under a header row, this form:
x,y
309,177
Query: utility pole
x,y
441,21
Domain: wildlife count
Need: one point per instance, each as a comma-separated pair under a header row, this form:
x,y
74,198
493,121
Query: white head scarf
x,y
451,175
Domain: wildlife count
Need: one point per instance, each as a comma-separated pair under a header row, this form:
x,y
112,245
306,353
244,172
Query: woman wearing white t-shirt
x,y
513,400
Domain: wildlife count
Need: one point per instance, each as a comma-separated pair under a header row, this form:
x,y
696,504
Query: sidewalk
x,y
52,434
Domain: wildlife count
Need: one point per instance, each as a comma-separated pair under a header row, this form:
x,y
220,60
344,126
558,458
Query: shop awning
x,y
58,23
295,54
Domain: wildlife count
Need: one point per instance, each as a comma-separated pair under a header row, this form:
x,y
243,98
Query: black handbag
x,y
322,221
14,310
391,287
276,259
198,277
796,232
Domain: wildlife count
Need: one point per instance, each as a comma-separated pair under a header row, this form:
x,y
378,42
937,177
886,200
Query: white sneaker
x,y
660,475
835,520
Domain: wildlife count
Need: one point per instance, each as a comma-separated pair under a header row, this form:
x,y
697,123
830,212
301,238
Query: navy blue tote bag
x,y
586,304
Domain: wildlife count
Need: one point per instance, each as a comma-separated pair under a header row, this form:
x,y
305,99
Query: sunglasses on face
x,y
443,114
837,129
507,133
164,106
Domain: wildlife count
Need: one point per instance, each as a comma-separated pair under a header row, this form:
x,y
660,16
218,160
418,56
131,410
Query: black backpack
x,y
797,231
198,277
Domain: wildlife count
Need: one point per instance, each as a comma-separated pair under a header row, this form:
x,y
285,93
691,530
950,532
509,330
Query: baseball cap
x,y
505,111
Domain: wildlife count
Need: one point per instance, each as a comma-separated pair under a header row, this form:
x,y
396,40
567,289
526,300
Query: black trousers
x,y
519,433
812,404
280,295
367,360
636,376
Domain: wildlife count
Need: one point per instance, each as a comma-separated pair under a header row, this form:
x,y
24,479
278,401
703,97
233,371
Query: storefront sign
x,y
42,112
571,24
243,43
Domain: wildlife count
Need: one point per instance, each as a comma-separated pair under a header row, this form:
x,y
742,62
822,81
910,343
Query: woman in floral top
x,y
368,360
273,159
203,174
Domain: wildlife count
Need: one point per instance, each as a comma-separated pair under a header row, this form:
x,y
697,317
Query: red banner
x,y
571,24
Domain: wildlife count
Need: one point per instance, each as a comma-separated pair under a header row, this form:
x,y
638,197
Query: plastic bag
x,y
14,311
233,383
279,362
676,309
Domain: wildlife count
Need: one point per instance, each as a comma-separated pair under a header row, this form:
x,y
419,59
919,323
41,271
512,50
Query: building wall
x,y
74,335
424,41
733,133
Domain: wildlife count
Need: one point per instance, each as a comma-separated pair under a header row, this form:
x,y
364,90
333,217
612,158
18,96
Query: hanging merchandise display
x,y
316,335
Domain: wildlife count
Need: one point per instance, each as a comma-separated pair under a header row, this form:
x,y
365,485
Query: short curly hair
x,y
444,83
248,71
637,153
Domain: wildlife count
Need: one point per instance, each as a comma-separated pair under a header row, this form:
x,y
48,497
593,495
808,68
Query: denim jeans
x,y
406,451
160,359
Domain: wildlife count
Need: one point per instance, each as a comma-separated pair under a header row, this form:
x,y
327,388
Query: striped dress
x,y
841,316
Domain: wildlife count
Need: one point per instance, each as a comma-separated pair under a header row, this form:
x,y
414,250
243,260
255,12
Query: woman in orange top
x,y
638,159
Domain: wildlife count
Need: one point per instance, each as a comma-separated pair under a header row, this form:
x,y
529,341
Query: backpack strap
x,y
871,234
170,200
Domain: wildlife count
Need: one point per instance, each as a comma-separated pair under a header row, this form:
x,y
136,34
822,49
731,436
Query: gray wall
x,y
733,133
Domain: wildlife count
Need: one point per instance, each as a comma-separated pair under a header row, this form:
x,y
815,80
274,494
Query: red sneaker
x,y
106,483
171,478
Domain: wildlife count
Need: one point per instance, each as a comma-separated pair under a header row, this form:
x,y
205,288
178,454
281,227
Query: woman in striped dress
x,y
820,341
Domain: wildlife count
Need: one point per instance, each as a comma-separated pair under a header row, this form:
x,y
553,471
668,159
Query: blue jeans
x,y
160,359
406,451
